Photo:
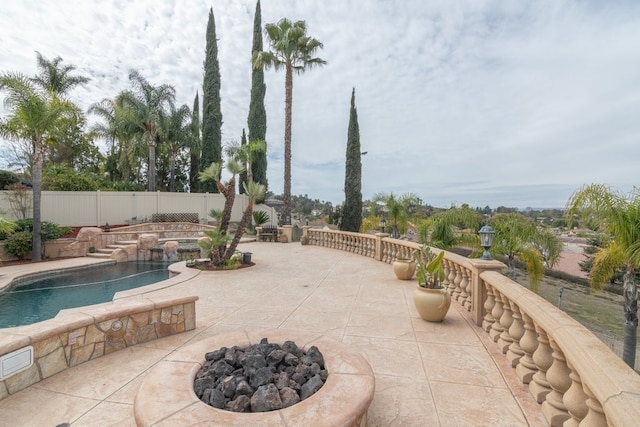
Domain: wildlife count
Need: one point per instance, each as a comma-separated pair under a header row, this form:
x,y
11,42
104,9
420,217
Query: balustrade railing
x,y
577,379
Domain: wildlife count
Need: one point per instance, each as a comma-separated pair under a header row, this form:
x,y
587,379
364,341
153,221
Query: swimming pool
x,y
30,301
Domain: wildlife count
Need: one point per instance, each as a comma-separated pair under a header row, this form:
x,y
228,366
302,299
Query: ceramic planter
x,y
404,268
432,304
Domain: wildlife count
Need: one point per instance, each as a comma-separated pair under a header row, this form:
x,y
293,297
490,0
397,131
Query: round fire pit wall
x,y
166,395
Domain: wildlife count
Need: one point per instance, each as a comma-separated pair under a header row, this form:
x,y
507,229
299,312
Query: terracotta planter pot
x,y
404,268
432,304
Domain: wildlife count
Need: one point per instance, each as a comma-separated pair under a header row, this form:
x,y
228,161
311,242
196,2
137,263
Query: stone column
x,y
478,290
558,376
575,399
505,340
488,319
539,386
516,331
529,343
496,313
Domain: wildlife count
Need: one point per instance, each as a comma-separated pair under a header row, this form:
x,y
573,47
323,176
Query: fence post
x,y
379,237
478,291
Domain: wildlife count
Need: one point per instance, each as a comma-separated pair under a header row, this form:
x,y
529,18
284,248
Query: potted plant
x,y
430,298
404,266
304,240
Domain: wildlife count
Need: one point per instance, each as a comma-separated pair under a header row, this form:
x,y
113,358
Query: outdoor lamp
x,y
486,240
383,224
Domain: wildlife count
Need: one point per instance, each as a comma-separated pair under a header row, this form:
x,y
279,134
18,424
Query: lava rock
x,y
261,377
310,387
289,397
266,398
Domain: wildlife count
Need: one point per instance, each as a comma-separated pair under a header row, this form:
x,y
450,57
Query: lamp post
x,y
383,224
486,240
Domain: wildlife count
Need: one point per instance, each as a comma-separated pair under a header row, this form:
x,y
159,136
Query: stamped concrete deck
x,y
425,374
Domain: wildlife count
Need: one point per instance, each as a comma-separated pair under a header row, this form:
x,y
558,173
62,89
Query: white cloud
x,y
480,102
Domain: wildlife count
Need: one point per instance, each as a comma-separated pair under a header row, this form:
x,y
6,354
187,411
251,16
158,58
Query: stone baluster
x,y
539,386
498,310
516,331
464,281
595,416
489,303
451,278
505,340
575,399
469,301
447,270
558,376
529,343
456,280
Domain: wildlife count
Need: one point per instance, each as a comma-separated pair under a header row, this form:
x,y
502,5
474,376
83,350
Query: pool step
x,y
98,254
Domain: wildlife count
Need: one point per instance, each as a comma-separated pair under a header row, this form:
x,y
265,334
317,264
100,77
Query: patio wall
x,y
575,377
80,334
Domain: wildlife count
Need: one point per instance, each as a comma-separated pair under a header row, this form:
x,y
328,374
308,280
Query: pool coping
x,y
79,334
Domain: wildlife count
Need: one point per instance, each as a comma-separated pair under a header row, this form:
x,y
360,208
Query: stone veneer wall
x,y
78,335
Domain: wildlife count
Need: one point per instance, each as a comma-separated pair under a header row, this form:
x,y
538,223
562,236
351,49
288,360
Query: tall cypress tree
x,y
243,175
352,211
257,121
211,111
195,147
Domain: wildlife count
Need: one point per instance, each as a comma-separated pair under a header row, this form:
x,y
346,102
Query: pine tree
x,y
257,121
211,111
352,211
195,148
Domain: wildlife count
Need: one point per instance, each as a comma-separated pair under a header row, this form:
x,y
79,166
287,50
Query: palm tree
x,y
247,154
175,132
292,50
34,115
445,229
618,215
397,208
228,190
254,191
517,236
147,102
56,78
118,128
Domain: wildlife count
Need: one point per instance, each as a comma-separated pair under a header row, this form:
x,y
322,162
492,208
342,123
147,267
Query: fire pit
x,y
166,396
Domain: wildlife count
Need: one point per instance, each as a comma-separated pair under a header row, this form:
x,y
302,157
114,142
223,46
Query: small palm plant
x,y
429,270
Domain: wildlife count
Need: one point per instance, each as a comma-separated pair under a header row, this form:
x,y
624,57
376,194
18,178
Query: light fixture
x,y
383,224
486,240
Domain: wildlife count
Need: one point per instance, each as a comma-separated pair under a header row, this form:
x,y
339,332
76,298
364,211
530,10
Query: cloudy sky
x,y
499,103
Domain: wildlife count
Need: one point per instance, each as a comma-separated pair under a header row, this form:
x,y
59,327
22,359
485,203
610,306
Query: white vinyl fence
x,y
96,208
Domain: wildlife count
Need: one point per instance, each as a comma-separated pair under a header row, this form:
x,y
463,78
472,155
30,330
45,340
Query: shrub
x,y
7,178
19,244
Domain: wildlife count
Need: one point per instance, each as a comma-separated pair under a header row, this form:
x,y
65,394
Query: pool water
x,y
28,302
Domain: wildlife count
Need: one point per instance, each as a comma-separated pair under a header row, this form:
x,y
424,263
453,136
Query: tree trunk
x,y
229,194
36,181
172,172
631,317
246,216
151,185
288,104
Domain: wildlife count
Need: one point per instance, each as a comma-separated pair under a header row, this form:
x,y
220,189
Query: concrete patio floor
x,y
446,374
